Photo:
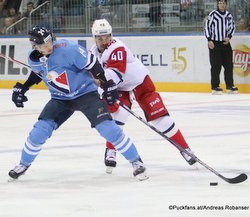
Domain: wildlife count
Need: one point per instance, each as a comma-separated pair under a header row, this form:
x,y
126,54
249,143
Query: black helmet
x,y
40,35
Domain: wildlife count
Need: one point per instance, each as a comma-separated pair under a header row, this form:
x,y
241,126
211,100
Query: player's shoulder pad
x,y
115,45
62,43
117,42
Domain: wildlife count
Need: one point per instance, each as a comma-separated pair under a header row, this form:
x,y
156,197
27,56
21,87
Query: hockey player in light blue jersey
x,y
67,70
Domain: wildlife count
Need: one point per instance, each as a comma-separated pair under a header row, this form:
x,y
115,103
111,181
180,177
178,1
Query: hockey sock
x,y
166,125
109,145
127,148
114,134
179,139
41,131
29,153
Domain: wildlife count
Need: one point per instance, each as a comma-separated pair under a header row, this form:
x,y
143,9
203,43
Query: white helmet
x,y
101,27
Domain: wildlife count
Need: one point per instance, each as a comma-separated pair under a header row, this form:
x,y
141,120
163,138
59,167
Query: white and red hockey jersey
x,y
120,65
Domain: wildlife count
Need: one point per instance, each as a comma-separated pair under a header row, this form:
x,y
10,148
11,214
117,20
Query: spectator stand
x,y
36,17
137,16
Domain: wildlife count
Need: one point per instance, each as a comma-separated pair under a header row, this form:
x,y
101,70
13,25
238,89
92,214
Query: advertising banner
x,y
177,60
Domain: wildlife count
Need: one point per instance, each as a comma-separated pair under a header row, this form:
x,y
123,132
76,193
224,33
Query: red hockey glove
x,y
113,108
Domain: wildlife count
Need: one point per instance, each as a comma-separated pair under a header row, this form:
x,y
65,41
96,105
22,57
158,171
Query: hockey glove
x,y
18,96
113,108
110,93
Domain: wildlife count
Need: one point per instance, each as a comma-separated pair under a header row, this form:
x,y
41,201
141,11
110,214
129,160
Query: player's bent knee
x,y
166,125
41,131
110,131
163,123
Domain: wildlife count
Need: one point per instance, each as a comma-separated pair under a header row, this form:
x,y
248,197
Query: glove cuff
x,y
107,84
22,87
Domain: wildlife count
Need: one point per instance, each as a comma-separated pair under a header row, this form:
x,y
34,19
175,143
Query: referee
x,y
219,29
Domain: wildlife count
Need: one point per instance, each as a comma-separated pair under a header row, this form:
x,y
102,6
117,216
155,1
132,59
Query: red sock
x,y
109,145
178,138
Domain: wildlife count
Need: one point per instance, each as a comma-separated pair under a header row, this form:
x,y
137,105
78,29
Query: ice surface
x,y
68,177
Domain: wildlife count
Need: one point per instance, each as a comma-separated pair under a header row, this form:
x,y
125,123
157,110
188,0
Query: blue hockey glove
x,y
18,96
110,93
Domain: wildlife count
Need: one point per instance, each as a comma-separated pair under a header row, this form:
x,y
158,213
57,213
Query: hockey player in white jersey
x,y
65,67
133,82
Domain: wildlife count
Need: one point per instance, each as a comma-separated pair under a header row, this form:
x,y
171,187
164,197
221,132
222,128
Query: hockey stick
x,y
14,60
238,179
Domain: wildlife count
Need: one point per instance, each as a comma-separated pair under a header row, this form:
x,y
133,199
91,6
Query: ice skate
x,y
217,91
139,170
18,171
232,90
110,160
188,158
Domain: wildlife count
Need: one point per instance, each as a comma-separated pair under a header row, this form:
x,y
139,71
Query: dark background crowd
x,y
77,16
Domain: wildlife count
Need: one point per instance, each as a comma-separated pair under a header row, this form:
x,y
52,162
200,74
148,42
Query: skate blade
x,y
195,166
232,92
142,176
217,93
109,170
11,179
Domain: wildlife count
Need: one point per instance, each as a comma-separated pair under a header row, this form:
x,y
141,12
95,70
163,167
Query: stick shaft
x,y
14,60
238,179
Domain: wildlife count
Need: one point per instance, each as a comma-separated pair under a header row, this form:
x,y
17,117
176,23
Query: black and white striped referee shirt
x,y
219,25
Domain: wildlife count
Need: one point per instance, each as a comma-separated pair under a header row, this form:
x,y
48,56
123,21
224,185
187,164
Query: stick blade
x,y
238,179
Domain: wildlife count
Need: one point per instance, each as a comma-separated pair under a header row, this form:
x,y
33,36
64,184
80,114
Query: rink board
x,y
176,63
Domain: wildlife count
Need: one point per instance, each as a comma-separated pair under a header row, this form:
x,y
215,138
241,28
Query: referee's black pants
x,y
221,55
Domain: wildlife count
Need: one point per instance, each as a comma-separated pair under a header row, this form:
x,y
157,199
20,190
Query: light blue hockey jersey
x,y
65,70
